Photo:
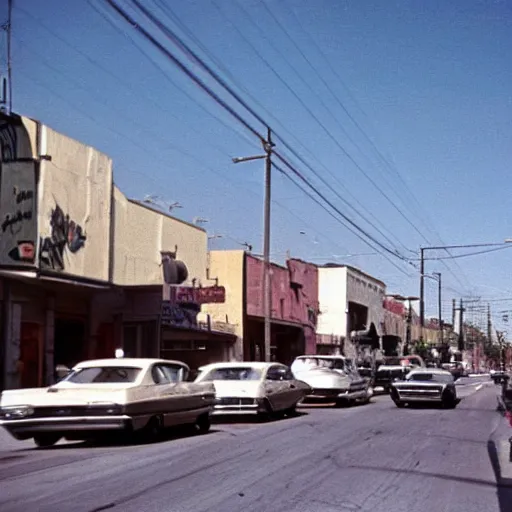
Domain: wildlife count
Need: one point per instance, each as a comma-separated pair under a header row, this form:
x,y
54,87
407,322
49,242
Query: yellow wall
x,y
78,179
228,267
140,233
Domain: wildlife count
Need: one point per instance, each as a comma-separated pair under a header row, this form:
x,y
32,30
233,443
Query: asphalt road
x,y
374,457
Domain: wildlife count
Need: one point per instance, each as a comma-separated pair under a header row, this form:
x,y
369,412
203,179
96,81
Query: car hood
x,y
324,377
63,395
238,388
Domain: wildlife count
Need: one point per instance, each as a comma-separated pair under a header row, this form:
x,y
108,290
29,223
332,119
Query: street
x,y
374,457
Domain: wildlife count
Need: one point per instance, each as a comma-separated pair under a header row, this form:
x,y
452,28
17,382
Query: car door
x,y
293,390
275,388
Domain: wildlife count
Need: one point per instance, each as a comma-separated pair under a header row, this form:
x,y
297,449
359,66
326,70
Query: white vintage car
x,y
258,388
425,385
108,395
332,379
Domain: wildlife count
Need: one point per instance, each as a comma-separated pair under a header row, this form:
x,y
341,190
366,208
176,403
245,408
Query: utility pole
x,y
454,306
267,299
489,324
461,325
9,52
267,290
440,307
422,289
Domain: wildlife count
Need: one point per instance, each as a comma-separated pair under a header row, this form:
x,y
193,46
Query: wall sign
x,y
18,214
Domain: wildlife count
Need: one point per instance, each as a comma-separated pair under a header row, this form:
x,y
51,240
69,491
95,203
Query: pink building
x,y
294,309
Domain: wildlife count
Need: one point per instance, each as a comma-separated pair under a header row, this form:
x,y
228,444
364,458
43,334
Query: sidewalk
x,y
500,451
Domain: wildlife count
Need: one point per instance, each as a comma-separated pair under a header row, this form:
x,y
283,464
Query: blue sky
x,y
427,160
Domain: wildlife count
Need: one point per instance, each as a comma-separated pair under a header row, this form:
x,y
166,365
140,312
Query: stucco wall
x,y
140,233
228,267
74,199
368,292
286,303
332,296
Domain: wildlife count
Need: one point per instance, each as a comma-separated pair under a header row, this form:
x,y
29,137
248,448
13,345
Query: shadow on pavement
x,y
171,434
251,420
504,490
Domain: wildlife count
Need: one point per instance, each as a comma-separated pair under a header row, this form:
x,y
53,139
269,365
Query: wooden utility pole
x,y
489,324
267,290
9,55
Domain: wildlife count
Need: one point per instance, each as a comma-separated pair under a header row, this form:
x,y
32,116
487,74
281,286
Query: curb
x,y
499,448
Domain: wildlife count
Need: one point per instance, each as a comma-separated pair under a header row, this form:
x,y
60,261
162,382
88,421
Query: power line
x,y
176,40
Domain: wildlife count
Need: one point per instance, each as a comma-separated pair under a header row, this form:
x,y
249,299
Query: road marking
x,y
480,386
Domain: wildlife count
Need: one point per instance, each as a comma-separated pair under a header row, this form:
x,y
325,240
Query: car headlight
x,y
15,412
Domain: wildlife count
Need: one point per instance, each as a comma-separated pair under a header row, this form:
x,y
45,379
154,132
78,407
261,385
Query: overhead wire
x,y
219,64
200,82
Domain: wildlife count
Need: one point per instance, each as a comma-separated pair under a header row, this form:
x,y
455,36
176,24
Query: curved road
x,y
367,458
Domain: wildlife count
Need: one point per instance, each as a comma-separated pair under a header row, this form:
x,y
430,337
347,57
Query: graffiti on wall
x,y
18,215
65,235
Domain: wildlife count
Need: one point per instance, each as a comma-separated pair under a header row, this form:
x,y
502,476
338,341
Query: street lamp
x,y
267,293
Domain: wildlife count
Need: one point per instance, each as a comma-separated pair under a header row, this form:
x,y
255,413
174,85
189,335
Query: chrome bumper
x,y
66,424
336,394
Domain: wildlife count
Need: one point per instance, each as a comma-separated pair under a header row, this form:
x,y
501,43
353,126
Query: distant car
x,y
395,367
253,388
332,379
425,385
106,396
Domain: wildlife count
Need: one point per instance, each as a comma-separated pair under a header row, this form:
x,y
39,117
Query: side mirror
x,y
61,372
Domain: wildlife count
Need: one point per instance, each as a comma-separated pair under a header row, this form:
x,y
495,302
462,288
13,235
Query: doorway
x,y
69,341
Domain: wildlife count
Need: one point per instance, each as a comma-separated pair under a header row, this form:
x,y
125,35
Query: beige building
x,y
84,270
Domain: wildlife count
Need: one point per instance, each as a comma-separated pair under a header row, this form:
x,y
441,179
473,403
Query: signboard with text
x,y
194,295
18,214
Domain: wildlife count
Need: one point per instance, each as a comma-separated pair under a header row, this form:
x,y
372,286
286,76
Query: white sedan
x,y
256,388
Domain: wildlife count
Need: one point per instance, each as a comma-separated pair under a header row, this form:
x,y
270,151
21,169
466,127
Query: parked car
x,y
395,368
332,379
106,396
456,369
425,385
257,388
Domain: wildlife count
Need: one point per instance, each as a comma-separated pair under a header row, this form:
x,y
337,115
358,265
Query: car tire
x,y
267,412
153,430
291,411
203,423
449,401
46,440
399,404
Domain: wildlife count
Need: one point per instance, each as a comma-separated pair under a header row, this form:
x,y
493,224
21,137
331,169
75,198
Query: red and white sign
x,y
189,294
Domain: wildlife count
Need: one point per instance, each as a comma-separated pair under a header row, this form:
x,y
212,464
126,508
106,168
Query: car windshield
x,y
240,373
103,375
429,377
332,364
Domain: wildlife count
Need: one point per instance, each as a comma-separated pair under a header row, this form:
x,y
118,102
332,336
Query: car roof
x,y
136,362
241,364
433,371
322,357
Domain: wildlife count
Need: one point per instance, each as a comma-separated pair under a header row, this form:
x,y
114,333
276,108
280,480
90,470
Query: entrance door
x,y
70,346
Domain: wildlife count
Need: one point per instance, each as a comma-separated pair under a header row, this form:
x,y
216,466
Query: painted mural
x,y
66,236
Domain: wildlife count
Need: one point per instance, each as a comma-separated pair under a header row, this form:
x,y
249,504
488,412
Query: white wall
x,y
332,297
364,290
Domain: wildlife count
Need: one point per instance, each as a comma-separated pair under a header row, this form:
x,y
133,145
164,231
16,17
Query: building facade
x,y
350,300
84,270
294,304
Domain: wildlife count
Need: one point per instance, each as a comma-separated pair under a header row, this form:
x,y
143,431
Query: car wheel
x,y
399,404
449,401
291,411
267,412
153,430
46,440
203,424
